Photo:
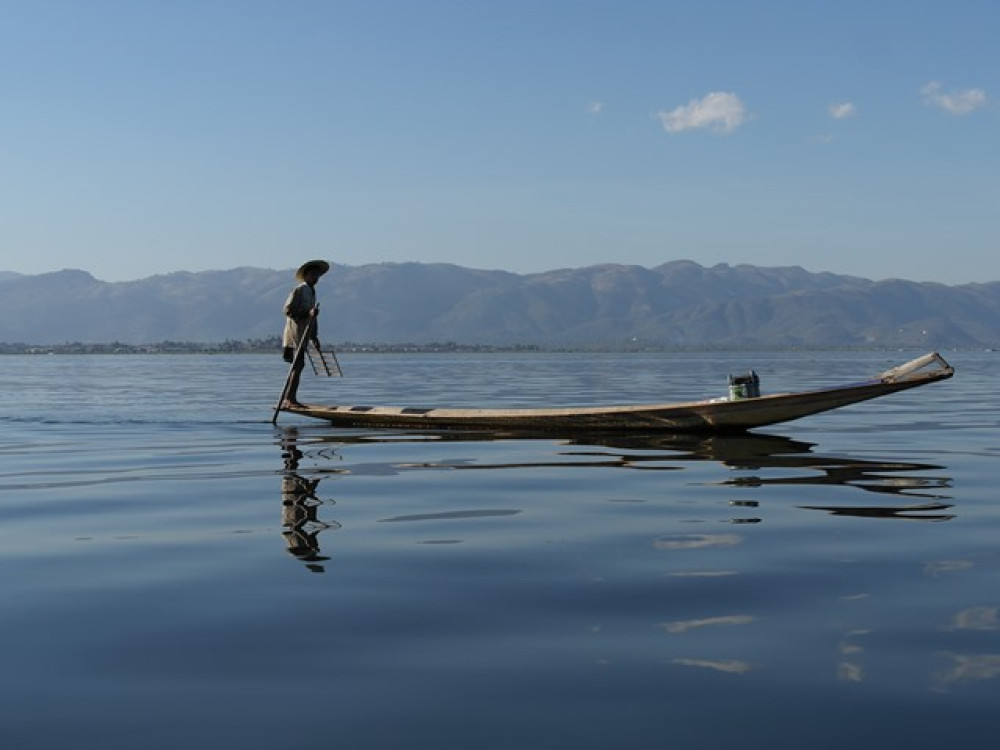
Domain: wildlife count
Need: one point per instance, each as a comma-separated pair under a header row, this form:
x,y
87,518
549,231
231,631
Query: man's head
x,y
311,271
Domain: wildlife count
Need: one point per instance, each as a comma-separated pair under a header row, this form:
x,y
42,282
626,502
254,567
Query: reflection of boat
x,y
714,415
766,455
761,460
920,512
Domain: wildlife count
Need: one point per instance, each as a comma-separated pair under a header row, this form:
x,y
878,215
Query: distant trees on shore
x,y
249,346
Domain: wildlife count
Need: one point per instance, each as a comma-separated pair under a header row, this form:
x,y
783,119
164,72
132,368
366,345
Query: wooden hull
x,y
716,415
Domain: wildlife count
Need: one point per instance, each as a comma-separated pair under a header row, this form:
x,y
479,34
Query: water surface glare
x,y
180,573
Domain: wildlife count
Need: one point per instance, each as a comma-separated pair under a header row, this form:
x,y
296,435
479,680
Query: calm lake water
x,y
179,573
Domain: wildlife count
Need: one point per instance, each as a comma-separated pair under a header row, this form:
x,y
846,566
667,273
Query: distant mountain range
x,y
677,304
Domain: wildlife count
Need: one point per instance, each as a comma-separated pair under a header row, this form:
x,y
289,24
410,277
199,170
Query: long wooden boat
x,y
712,415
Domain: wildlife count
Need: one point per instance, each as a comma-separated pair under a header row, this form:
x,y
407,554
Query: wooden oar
x,y
300,352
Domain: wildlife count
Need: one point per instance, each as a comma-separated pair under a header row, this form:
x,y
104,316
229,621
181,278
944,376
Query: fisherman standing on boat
x,y
300,312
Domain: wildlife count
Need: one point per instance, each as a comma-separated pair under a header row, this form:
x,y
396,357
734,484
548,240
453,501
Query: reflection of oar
x,y
300,352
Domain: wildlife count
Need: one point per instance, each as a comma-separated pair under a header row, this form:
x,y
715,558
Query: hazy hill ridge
x,y
679,303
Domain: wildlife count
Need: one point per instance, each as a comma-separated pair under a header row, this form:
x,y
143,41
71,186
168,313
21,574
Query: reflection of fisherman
x,y
299,507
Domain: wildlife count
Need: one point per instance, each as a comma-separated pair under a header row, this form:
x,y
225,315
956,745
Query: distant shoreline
x,y
273,347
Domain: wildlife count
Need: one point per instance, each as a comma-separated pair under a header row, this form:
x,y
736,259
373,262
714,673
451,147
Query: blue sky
x,y
139,138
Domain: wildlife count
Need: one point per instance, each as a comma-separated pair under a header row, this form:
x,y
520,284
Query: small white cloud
x,y
719,112
953,102
842,110
595,108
